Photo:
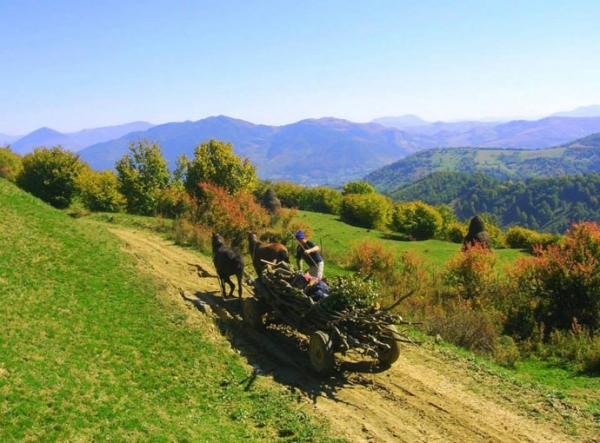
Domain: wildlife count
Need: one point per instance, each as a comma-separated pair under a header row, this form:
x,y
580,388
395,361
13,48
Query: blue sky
x,y
72,65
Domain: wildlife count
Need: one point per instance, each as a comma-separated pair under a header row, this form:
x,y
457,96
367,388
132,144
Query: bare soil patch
x,y
426,396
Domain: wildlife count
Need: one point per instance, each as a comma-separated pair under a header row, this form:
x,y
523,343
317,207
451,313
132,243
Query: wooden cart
x,y
370,331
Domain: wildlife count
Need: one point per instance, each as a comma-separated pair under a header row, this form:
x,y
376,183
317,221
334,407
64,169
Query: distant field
x,y
336,238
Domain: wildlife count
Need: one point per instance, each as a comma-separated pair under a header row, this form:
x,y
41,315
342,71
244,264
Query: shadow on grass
x,y
395,236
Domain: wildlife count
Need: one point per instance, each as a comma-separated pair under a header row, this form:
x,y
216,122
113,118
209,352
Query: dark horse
x,y
271,252
227,262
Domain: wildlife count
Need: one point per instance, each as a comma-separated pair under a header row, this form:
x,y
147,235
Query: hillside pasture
x,y
94,348
336,238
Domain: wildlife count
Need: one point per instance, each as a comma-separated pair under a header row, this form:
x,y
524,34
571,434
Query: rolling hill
x,y
577,157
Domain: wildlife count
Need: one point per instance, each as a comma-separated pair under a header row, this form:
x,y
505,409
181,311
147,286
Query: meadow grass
x,y
337,238
564,384
89,351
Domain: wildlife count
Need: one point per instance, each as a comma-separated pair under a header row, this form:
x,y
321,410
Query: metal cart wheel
x,y
388,356
321,352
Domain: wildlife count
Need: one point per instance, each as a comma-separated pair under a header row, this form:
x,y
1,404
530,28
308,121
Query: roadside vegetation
x,y
529,304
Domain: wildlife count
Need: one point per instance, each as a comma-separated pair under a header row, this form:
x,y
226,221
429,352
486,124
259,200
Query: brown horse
x,y
227,262
271,252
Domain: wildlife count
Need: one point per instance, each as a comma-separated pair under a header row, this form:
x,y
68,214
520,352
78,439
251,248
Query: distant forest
x,y
549,204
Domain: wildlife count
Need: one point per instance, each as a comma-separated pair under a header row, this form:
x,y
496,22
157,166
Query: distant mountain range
x,y
330,151
323,151
582,111
8,139
74,141
326,151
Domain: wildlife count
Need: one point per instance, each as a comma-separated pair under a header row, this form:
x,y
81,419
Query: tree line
x,y
438,206
542,204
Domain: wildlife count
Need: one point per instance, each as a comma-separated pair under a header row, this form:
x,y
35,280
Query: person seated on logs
x,y
313,287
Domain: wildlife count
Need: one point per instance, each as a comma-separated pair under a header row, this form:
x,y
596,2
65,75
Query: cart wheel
x,y
321,352
252,313
387,356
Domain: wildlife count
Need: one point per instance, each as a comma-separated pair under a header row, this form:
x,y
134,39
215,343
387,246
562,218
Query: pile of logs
x,y
358,328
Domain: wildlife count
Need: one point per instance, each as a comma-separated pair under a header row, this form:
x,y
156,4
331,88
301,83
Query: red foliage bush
x,y
232,216
562,281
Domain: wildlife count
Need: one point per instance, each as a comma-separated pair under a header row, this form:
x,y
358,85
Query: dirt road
x,y
426,396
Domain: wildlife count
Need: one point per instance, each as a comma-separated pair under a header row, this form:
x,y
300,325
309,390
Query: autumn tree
x,y
230,215
214,162
562,281
50,174
142,175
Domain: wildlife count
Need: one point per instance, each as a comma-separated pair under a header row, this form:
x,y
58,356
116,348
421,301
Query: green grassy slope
x,y
89,352
337,238
581,157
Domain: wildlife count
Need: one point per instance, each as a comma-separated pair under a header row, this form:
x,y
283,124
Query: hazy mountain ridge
x,y
8,139
330,151
324,151
74,141
582,111
522,134
314,151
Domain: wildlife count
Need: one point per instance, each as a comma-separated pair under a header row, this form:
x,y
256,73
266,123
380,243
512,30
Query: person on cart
x,y
313,287
311,253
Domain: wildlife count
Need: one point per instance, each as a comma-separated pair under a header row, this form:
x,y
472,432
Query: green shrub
x,y
505,352
186,233
463,326
174,203
521,238
51,175
397,276
416,219
366,210
351,292
577,350
455,232
471,275
10,164
99,191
